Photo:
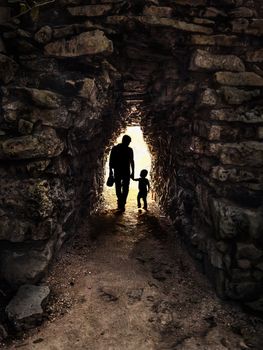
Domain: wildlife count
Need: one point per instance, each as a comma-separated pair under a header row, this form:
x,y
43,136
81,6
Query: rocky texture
x,y
25,309
205,60
190,72
90,10
44,35
89,43
255,56
158,11
239,79
8,68
44,143
3,333
234,96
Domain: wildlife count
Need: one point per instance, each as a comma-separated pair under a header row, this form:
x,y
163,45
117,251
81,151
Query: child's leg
x,y
145,202
139,200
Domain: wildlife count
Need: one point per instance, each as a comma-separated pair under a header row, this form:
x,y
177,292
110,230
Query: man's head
x,y
126,140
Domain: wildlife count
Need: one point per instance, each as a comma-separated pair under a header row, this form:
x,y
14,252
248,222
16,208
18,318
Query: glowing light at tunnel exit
x,y
142,159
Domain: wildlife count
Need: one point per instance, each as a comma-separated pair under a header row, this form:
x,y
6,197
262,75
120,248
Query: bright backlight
x,y
142,159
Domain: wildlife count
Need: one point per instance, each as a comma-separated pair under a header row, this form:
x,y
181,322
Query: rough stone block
x,y
25,311
257,26
19,230
42,144
3,333
208,98
158,11
229,220
217,40
248,251
18,196
159,22
239,79
215,132
204,60
90,10
216,258
234,96
213,12
252,27
173,23
87,43
204,21
226,174
58,118
248,153
42,98
25,265
25,127
8,68
64,31
255,56
89,90
240,25
204,199
44,35
242,114
243,12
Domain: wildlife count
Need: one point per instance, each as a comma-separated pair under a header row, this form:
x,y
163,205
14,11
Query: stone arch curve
x,y
194,68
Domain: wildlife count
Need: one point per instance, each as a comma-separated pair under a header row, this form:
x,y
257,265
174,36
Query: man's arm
x,y
132,164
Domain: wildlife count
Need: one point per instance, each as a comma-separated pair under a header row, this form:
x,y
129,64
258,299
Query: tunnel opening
x,y
142,159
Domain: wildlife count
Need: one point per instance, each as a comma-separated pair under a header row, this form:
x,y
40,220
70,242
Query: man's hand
x,y
132,176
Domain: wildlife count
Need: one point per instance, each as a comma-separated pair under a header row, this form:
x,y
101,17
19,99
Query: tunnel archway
x,y
196,72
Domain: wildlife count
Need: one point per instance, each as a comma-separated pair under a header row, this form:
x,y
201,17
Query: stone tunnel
x,y
75,73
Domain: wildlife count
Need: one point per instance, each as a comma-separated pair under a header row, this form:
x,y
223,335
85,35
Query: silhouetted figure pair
x,y
122,162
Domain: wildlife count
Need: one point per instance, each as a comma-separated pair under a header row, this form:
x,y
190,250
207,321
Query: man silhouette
x,y
121,161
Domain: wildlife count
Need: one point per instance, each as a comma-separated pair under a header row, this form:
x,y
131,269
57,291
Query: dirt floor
x,y
126,282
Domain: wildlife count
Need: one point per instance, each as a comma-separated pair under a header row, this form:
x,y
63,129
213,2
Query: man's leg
x,y
118,190
125,188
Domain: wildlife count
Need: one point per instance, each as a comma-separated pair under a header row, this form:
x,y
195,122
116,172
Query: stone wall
x,y
58,111
195,70
204,127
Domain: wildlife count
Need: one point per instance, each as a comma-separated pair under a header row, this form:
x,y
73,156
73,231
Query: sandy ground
x,y
126,282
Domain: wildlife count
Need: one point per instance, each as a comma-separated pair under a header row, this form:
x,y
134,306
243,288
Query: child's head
x,y
143,173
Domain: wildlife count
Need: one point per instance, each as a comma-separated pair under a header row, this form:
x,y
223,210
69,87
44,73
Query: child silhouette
x,y
144,187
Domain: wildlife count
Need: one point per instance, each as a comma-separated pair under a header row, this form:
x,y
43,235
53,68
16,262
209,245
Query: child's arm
x,y
136,179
